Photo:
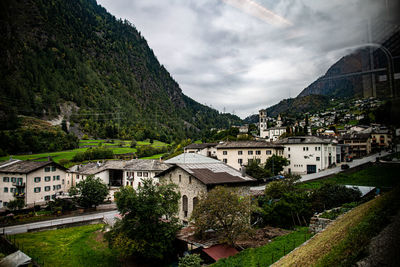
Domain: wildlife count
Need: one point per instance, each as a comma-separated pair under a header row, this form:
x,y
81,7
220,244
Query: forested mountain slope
x,y
56,51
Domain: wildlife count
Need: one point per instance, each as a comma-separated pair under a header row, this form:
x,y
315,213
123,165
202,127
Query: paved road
x,y
108,216
338,169
354,163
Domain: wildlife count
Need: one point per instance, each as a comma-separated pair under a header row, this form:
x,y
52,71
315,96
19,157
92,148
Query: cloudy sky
x,y
244,55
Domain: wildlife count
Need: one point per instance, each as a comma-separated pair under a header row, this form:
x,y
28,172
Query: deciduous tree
x,y
225,211
91,192
149,225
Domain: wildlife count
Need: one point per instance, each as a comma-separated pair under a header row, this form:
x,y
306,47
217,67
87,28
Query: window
x,y
53,196
180,178
250,152
185,205
224,152
54,187
6,179
58,186
13,189
47,188
47,169
37,179
269,152
58,177
288,156
195,201
5,204
318,158
63,182
13,179
46,198
53,168
139,174
190,179
145,174
316,148
240,152
48,178
258,152
36,189
240,161
288,149
225,160
258,161
54,178
5,189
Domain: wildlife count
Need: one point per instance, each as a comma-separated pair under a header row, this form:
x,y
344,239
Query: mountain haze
x,y
74,52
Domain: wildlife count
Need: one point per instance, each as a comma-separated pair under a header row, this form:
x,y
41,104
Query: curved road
x,y
108,216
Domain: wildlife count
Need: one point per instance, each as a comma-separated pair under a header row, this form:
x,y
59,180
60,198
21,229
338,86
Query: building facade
x,y
308,154
34,182
239,153
195,175
205,149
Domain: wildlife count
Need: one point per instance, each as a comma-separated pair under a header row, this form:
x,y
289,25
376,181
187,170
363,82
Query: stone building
x,y
195,175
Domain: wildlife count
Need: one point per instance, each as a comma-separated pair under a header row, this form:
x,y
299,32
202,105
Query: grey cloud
x,y
226,58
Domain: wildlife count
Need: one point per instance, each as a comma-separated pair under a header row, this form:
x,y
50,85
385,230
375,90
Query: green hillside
x,y
75,52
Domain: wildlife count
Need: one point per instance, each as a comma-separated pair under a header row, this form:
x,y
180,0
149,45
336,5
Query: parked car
x,y
345,166
274,178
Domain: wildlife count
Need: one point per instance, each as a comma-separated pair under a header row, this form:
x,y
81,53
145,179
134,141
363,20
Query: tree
x,y
333,195
64,126
276,163
149,225
91,192
255,171
190,260
16,204
225,211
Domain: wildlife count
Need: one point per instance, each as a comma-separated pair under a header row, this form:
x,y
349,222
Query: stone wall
x,y
318,224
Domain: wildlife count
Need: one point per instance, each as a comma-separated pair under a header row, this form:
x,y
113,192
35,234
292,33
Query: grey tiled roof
x,y
24,166
305,140
134,164
247,144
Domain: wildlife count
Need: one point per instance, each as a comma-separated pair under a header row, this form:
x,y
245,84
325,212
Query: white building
x,y
116,173
205,149
263,123
34,181
308,154
274,133
239,153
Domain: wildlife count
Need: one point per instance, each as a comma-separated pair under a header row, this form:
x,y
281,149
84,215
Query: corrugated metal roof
x,y
191,158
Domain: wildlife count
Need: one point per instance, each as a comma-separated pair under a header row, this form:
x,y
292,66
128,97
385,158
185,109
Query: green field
x,y
75,246
382,176
69,154
268,254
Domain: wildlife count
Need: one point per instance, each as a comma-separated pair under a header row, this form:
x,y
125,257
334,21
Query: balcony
x,y
19,195
18,184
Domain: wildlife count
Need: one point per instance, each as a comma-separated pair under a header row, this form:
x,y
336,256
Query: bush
x,y
93,153
332,195
190,260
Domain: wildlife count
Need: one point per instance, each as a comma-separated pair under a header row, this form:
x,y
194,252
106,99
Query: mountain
x,y
293,107
75,53
337,87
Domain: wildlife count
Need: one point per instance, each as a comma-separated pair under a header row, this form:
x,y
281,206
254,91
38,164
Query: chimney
x,y
243,170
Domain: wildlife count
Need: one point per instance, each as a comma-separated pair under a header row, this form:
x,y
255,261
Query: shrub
x,y
190,260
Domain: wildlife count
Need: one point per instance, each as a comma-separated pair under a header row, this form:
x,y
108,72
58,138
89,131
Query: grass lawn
x,y
157,156
381,175
268,254
75,246
345,241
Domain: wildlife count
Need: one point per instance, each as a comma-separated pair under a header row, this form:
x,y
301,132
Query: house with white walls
x,y
308,154
33,181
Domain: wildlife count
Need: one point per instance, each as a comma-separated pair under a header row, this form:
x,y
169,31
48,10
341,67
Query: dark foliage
x,y
52,52
94,153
